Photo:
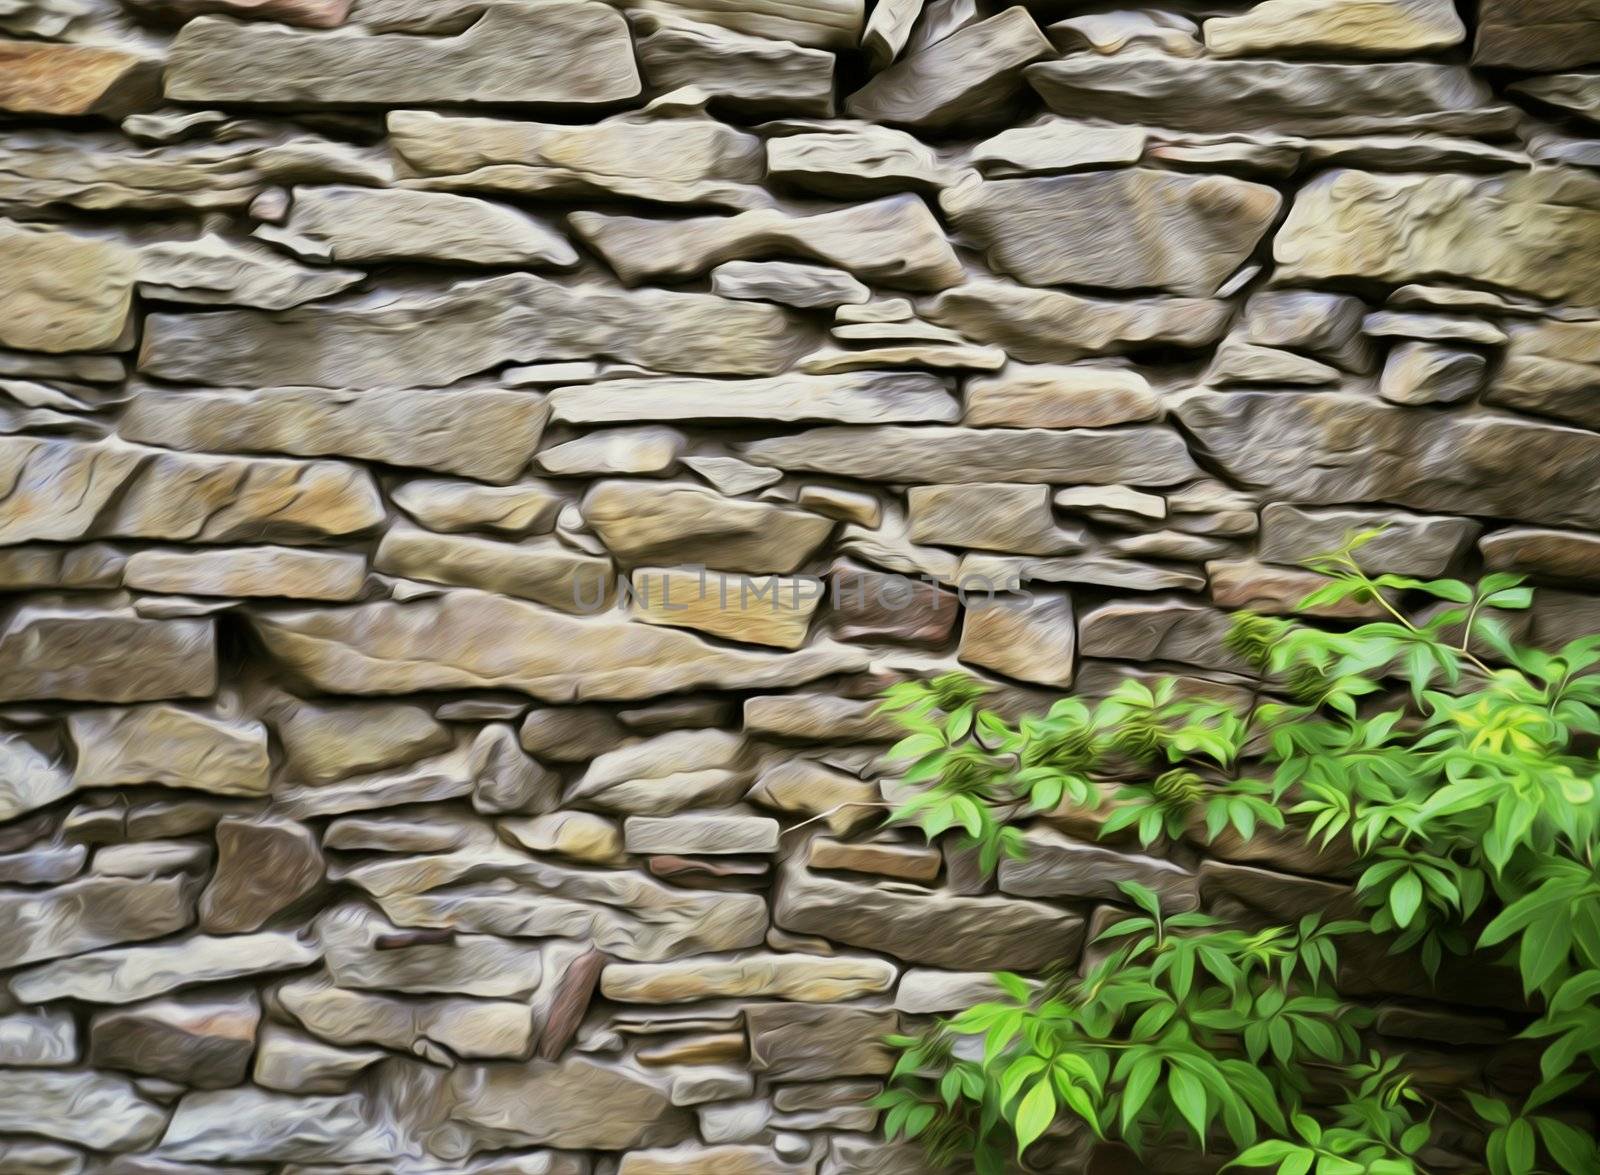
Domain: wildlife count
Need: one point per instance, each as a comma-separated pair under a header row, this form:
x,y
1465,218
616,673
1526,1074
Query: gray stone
x,y
435,338
324,743
972,76
933,928
838,800
1029,638
894,241
211,270
864,603
88,914
1051,396
669,155
1238,362
1537,34
665,774
45,1037
1425,373
147,858
1056,144
48,865
483,433
1575,93
869,397
694,1086
1059,866
527,507
1053,326
264,865
201,1041
981,573
29,779
1530,232
1278,894
291,1061
697,833
111,490
995,516
125,975
791,283
1140,456
540,569
1298,446
1325,325
1170,629
746,74
576,53
362,950
1551,368
808,978
1251,586
172,745
466,1027
1411,544
1130,229
1218,94
254,1125
1404,324
857,162
90,1109
351,224
650,522
813,1042
924,991
423,833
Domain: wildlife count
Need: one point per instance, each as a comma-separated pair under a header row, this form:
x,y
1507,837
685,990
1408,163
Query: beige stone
x,y
1537,34
972,76
894,241
544,571
812,978
708,1160
324,743
701,834
172,745
642,522
757,610
1031,639
582,836
643,449
526,507
995,516
746,74
809,1042
468,1028
1057,396
292,1061
64,292
313,14
577,53
213,270
264,865
41,78
124,975
840,802
857,163
884,858
249,571
869,397
54,649
1058,144
665,774
1379,28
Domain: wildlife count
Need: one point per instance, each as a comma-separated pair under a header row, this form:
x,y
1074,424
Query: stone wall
x,y
386,787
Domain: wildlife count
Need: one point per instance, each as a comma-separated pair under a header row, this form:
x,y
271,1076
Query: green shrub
x,y
1458,768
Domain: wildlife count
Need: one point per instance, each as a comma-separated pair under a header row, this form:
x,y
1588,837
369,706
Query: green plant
x,y
1455,766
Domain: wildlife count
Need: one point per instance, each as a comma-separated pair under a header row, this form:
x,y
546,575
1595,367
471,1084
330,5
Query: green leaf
x,y
1189,1096
1520,1147
1264,1154
1404,898
1574,1150
1035,1113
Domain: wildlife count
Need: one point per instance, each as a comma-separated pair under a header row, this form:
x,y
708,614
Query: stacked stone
x,y
425,425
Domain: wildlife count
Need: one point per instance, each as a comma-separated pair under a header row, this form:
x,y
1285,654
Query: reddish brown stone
x,y
41,78
571,1001
878,604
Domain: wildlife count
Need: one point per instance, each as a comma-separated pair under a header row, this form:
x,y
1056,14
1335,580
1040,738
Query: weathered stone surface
x,y
44,1037
211,270
1377,28
583,1105
249,571
292,1061
1537,34
582,836
840,801
172,745
875,604
883,858
29,779
312,14
673,156
1425,373
774,611
1052,326
1142,456
643,522
1054,145
894,241
937,929
1577,93
1411,544
791,283
665,774
1541,225
91,1109
746,74
700,833
66,292
400,834
1131,229
570,734
47,865
527,507
112,490
575,53
202,1041
541,570
1053,396
364,951
326,743
347,224
801,1042
1238,362
434,339
264,865
1170,629
484,433
1551,368
937,355
1444,327
869,397
125,975
1058,866
996,516
1030,638
923,991
813,978
972,76
1218,94
55,649
857,162
712,1160
1252,586
466,1027
41,78
1300,446
1560,554
1278,894
255,1125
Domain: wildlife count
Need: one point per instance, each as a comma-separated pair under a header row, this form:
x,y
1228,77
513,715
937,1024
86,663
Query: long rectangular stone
x,y
60,650
1131,456
857,397
436,338
93,912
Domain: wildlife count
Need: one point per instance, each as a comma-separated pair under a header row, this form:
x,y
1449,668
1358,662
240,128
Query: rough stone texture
x,y
468,470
